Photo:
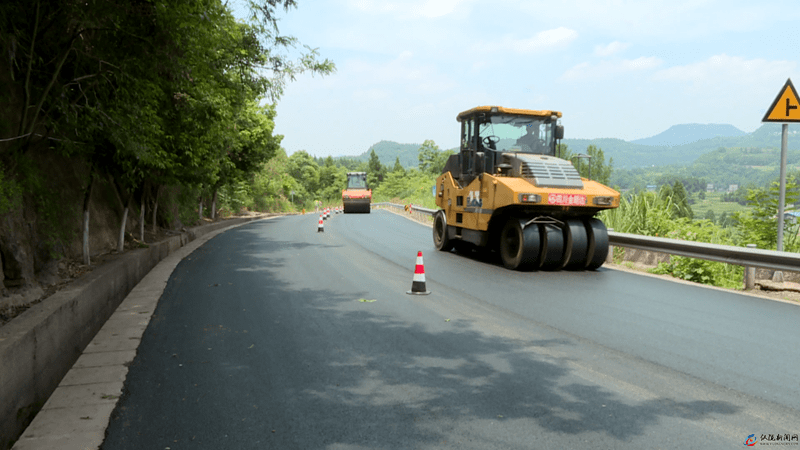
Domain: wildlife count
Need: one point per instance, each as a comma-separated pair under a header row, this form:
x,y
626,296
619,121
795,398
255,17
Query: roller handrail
x,y
742,256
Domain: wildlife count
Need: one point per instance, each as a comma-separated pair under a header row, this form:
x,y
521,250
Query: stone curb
x,y
39,347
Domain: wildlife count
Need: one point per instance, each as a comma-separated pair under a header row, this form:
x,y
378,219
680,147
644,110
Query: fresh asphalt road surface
x,y
261,340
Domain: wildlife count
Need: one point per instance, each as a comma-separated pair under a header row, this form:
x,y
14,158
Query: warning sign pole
x,y
785,108
782,197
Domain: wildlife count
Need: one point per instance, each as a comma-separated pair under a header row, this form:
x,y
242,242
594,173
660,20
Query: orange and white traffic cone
x,y
321,226
418,283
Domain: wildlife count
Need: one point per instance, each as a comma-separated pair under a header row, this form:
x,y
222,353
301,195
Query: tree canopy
x,y
595,168
151,94
169,91
431,159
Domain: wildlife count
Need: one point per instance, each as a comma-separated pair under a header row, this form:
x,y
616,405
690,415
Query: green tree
x,y
375,171
302,167
427,156
151,93
594,167
690,184
332,180
759,225
674,201
601,171
724,220
398,167
272,185
431,159
680,201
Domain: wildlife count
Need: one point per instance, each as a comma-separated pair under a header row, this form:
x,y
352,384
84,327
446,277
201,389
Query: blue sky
x,y
617,68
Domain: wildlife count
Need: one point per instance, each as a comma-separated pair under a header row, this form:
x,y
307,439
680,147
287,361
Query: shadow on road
x,y
258,363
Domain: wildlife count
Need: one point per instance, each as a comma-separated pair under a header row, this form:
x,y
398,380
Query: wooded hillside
x,y
152,102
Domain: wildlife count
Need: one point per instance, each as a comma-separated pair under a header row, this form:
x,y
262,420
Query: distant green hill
x,y
690,132
721,167
628,155
388,151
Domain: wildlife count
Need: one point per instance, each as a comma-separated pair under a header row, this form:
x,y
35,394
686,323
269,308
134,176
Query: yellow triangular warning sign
x,y
786,107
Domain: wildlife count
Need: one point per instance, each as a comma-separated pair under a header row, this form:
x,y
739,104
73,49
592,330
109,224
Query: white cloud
x,y
548,40
436,8
543,41
429,9
610,49
402,69
606,69
670,20
406,67
396,79
724,69
480,65
371,94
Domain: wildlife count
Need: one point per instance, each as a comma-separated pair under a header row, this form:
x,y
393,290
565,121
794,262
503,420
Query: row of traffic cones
x,y
326,214
418,286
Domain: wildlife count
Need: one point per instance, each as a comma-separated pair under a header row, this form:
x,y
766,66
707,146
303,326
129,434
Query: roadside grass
x,y
416,190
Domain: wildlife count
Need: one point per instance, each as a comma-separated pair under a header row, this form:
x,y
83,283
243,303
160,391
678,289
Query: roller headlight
x,y
530,198
603,201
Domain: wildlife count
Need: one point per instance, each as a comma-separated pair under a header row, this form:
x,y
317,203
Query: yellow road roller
x,y
508,191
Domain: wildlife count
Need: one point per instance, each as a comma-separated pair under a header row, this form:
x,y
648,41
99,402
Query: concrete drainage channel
x,y
65,359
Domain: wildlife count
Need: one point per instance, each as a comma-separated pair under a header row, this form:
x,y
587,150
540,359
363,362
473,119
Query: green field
x,y
712,202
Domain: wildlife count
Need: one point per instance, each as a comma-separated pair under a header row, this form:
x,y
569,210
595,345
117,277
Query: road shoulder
x,y
76,415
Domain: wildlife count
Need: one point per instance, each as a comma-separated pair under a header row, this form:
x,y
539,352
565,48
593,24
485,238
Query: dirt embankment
x,y
16,301
41,241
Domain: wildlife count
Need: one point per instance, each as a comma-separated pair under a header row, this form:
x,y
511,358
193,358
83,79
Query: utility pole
x,y
782,196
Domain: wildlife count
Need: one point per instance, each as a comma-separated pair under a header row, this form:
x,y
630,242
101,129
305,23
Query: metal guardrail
x,y
753,257
412,208
768,259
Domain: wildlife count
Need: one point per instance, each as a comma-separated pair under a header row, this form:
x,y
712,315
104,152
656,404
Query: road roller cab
x,y
357,197
507,190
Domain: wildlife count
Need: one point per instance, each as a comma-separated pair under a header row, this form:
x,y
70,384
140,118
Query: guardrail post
x,y
777,276
749,274
610,256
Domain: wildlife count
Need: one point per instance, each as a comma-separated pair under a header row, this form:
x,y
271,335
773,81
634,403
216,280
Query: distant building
x,y
652,187
733,187
710,187
791,216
